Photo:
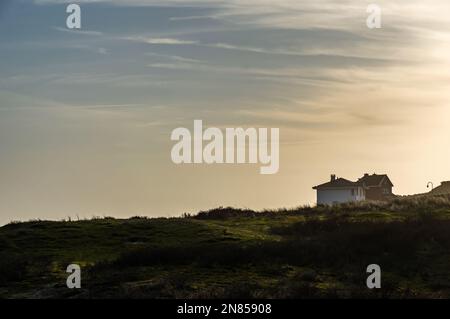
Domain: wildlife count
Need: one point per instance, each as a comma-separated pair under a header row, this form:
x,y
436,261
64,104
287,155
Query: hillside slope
x,y
307,252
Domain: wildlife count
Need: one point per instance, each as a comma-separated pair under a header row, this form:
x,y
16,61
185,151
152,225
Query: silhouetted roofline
x,y
338,183
374,180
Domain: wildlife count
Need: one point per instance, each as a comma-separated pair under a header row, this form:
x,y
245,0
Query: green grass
x,y
228,253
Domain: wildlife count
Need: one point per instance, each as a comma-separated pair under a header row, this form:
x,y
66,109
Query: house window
x,y
386,191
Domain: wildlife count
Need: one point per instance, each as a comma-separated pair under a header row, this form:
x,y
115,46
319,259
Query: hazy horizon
x,y
86,116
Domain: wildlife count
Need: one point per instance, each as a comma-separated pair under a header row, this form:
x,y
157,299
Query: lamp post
x,y
428,185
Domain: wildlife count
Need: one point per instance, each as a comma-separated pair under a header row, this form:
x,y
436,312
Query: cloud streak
x,y
79,32
162,41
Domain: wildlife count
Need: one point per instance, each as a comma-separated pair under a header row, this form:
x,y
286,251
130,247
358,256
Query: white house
x,y
339,190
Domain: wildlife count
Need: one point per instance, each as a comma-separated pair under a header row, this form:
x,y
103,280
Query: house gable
x,y
375,180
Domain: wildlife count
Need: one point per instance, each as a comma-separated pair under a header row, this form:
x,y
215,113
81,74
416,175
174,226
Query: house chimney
x,y
333,177
365,175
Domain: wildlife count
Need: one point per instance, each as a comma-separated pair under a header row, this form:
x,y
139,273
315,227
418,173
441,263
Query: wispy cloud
x,y
79,31
188,18
162,41
102,51
236,47
173,57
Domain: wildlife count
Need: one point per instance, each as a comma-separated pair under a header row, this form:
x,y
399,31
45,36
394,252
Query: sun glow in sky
x,y
86,116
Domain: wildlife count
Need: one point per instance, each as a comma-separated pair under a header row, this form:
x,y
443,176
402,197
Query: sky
x,y
86,115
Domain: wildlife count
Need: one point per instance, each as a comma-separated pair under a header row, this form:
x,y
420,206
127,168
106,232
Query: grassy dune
x,y
319,252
